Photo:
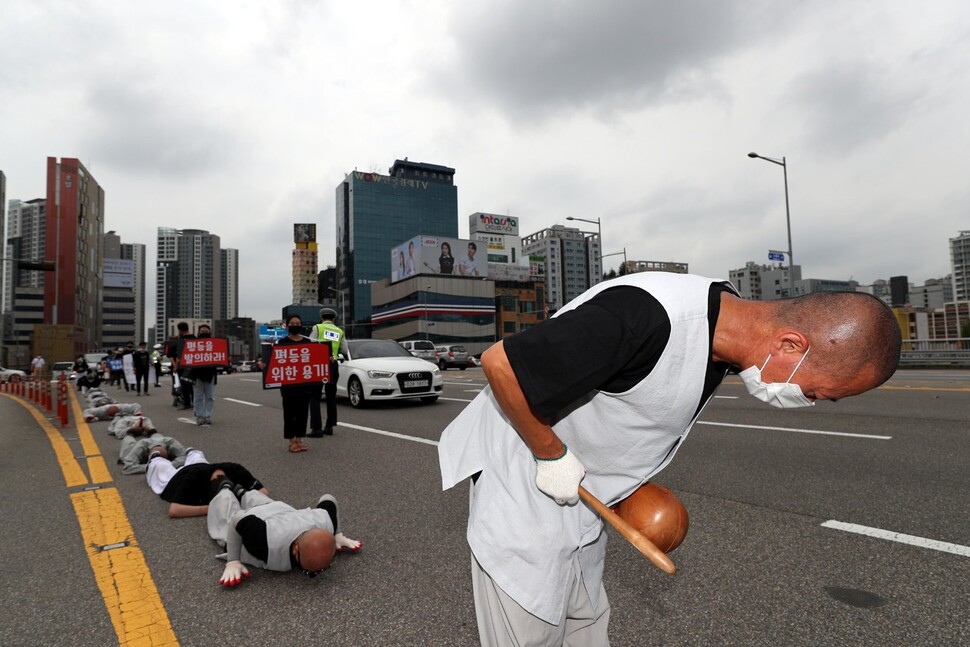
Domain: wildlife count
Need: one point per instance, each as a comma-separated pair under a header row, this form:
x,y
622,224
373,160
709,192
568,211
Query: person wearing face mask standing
x,y
555,416
204,386
296,398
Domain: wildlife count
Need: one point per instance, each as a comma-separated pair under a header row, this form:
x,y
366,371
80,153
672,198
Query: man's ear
x,y
791,341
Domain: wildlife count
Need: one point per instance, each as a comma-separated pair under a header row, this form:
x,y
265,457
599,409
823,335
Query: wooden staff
x,y
631,534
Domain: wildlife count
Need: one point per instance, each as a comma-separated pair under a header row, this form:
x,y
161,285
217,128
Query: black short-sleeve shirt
x,y
609,343
191,484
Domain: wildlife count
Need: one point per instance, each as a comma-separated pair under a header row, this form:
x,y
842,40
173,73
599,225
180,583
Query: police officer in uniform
x,y
157,361
326,331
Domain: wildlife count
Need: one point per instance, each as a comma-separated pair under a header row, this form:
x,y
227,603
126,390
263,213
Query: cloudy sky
x,y
242,118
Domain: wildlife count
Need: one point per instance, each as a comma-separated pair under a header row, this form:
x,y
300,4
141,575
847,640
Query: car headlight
x,y
436,371
379,374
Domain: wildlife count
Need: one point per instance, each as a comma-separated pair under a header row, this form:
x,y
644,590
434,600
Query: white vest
x,y
283,525
520,536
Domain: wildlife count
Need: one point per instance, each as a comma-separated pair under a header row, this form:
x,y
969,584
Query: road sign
x,y
776,256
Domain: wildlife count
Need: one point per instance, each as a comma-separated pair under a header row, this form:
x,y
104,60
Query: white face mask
x,y
783,395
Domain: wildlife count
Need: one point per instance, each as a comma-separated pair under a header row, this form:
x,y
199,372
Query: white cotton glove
x,y
345,543
234,573
559,477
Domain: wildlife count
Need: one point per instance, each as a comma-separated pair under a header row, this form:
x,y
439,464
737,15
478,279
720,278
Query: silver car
x,y
452,356
421,348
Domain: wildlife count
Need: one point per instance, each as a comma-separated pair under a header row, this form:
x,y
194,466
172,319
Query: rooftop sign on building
x,y
491,223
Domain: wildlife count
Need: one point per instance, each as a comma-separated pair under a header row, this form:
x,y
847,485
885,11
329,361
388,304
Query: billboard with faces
x,y
438,255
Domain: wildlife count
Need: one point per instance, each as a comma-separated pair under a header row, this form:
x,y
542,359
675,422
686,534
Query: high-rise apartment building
x,y
195,278
23,291
572,261
960,265
376,212
229,267
74,238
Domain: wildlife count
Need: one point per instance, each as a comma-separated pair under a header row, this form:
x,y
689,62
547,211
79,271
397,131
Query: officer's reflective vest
x,y
328,331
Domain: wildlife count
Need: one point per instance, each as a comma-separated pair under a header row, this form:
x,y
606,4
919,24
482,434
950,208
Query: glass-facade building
x,y
377,212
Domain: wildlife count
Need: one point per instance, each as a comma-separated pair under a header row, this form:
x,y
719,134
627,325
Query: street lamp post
x,y
791,262
426,333
599,236
602,256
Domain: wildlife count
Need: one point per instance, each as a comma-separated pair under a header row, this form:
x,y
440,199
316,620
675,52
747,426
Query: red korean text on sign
x,y
297,364
205,352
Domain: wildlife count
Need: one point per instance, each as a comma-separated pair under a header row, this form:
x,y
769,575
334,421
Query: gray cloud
x,y
543,57
138,126
845,106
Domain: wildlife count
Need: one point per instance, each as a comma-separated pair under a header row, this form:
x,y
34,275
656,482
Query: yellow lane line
x,y
130,595
96,465
924,388
74,476
126,584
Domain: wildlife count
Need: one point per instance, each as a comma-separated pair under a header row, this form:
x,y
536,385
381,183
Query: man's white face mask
x,y
783,395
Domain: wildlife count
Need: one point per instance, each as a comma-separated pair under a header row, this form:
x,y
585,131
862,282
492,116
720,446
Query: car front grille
x,y
414,382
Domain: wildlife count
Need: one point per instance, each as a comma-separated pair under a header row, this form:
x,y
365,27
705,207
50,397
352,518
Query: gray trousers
x,y
503,623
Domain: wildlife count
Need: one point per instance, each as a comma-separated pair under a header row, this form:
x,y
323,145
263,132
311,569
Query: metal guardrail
x,y
954,358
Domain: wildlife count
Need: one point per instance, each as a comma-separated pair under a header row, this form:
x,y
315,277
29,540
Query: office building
x,y
519,305
327,293
195,279
934,293
374,213
632,267
242,333
571,261
763,282
443,309
74,241
810,286
500,234
124,292
960,265
898,291
879,288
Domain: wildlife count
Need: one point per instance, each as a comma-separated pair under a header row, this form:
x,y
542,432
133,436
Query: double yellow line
x,y
120,570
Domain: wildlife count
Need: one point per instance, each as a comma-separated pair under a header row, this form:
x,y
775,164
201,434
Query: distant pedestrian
x,y
37,366
156,358
204,386
141,360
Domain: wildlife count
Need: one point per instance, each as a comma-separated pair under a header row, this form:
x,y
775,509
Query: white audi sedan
x,y
372,370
